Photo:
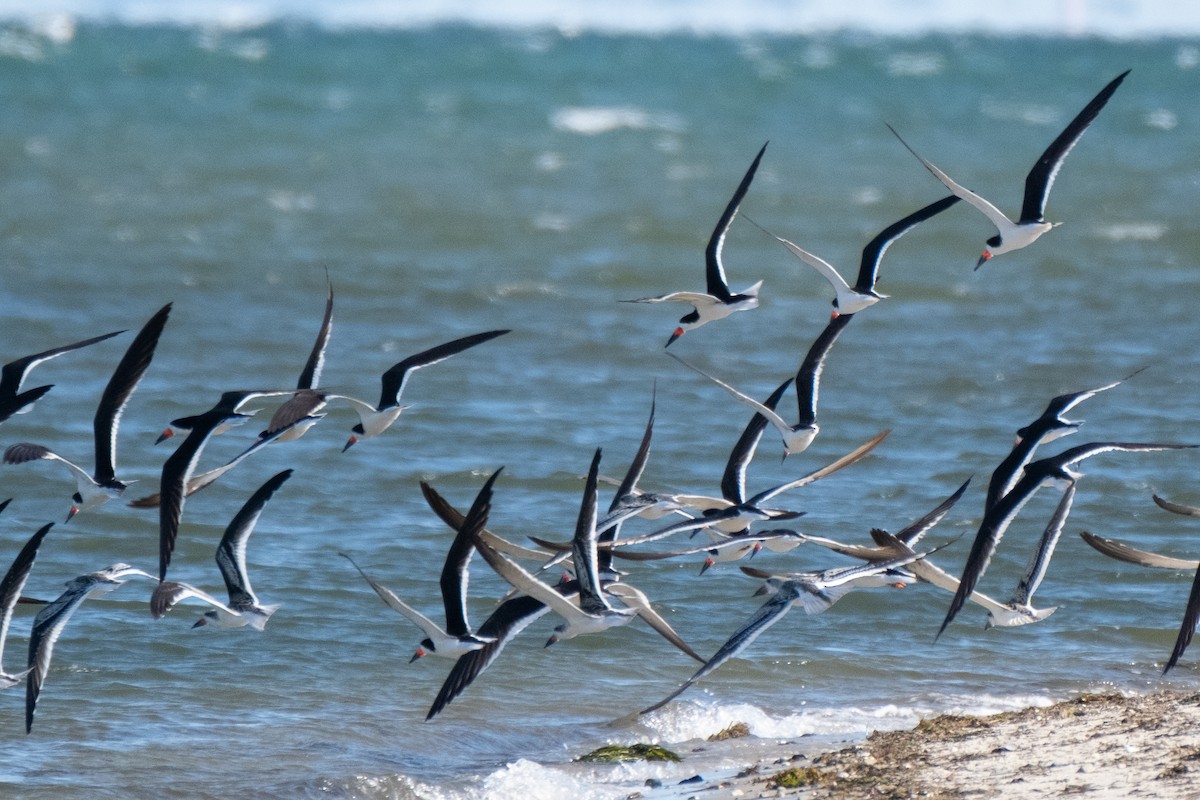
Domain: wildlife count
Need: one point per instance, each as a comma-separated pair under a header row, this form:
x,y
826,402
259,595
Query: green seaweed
x,y
616,753
796,777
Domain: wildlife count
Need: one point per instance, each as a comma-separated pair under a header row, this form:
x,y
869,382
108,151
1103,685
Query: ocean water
x,y
451,178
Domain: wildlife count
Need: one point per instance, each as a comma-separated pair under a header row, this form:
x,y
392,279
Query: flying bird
x,y
796,438
594,613
718,301
49,623
243,608
10,593
852,299
816,591
13,374
456,638
1058,470
177,469
374,420
102,485
1032,222
1049,426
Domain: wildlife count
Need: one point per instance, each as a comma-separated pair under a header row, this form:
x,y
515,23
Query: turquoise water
x,y
450,180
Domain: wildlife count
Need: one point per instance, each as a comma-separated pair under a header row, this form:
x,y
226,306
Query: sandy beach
x,y
1093,746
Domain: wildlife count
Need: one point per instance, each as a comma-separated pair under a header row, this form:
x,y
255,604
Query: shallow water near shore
x,y
450,179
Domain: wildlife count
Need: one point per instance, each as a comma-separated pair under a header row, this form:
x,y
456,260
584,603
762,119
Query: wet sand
x,y
1093,746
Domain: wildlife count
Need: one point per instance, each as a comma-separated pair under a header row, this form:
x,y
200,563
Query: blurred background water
x,y
452,173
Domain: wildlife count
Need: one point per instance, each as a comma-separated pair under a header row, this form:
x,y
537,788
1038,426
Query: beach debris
x,y
737,730
617,753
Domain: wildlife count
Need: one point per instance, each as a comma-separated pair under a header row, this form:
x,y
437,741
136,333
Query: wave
x,y
1134,19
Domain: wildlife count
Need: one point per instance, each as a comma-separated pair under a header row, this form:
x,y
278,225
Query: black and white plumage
x,y
516,613
1019,609
10,592
816,591
374,420
303,409
510,618
102,484
808,379
244,608
13,374
910,535
717,302
49,623
590,610
594,612
796,438
177,469
456,638
729,516
1032,222
1057,470
1050,425
852,299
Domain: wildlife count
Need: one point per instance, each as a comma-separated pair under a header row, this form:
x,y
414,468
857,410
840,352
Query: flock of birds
x,y
591,595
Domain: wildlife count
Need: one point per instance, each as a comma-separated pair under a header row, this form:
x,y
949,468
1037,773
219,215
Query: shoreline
x,y
1090,746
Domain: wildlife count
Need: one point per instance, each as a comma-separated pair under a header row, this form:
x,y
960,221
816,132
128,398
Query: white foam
x,y
1128,19
688,720
594,120
529,780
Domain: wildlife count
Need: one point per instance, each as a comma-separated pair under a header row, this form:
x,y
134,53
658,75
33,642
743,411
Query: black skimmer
x,y
243,608
808,379
177,469
1049,426
655,505
10,593
516,613
796,438
925,570
852,299
910,535
303,409
816,591
1032,222
730,524
102,485
456,638
374,420
1187,628
719,302
1176,508
298,413
49,623
1019,609
1052,471
12,375
1121,551
594,612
